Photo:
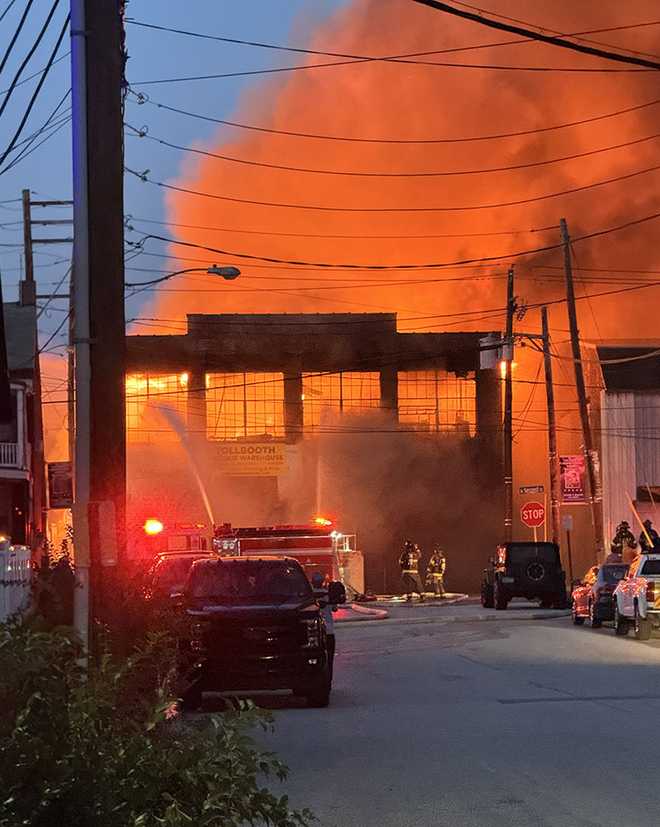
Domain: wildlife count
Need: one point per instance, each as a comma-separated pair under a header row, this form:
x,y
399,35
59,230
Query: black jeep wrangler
x,y
519,569
255,624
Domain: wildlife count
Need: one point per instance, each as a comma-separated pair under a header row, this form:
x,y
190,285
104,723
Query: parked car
x,y
169,572
531,570
593,596
637,598
255,624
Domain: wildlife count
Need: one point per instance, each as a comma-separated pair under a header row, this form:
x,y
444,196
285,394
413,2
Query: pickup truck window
x,y
248,579
651,567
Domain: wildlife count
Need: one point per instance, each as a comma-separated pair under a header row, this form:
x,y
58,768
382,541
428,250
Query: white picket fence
x,y
14,579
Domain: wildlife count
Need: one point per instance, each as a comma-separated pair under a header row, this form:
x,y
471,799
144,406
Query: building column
x,y
293,407
389,390
196,404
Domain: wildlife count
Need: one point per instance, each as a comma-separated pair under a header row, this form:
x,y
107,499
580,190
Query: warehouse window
x,y
326,394
437,401
244,405
155,406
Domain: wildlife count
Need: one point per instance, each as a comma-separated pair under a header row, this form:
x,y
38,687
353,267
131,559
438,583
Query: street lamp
x,y
227,273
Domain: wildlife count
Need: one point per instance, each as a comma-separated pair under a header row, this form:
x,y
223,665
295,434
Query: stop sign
x,y
532,514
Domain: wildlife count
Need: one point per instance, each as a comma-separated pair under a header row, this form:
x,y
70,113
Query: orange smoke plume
x,y
409,101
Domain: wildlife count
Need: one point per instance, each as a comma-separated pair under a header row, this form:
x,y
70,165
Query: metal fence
x,y
14,580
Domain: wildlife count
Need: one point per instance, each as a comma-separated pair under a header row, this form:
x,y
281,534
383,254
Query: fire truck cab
x,y
154,538
317,546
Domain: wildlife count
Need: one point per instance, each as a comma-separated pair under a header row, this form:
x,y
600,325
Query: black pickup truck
x,y
255,624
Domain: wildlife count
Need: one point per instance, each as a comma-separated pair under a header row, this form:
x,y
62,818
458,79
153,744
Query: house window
x,y
327,394
244,405
155,406
437,401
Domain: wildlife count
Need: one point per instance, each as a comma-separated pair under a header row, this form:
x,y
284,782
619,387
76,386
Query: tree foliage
x,y
105,745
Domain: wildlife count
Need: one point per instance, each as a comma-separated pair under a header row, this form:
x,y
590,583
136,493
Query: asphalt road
x,y
480,724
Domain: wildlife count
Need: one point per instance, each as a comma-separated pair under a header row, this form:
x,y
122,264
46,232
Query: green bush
x,y
105,746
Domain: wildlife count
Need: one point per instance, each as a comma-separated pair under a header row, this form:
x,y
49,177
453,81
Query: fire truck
x,y
155,537
318,546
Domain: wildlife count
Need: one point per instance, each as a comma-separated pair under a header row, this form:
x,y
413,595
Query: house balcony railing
x,y
9,457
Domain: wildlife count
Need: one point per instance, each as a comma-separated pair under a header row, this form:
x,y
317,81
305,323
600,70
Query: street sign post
x,y
532,514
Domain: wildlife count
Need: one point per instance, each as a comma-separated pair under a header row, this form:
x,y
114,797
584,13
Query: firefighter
x,y
409,564
435,571
654,545
623,540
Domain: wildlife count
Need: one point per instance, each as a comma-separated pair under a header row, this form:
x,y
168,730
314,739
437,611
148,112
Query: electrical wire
x,y
28,57
364,58
568,34
130,218
141,133
28,142
427,63
16,34
394,209
6,10
37,73
552,40
430,265
463,139
36,92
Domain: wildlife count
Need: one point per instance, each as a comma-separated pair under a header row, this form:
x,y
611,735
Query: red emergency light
x,y
153,526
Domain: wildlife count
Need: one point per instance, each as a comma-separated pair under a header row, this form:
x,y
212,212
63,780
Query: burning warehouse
x,y
273,418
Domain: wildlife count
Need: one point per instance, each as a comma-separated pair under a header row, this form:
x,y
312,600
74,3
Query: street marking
x,y
572,698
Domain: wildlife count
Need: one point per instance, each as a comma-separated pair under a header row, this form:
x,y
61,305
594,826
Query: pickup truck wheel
x,y
487,599
643,626
319,697
594,617
621,625
499,597
577,620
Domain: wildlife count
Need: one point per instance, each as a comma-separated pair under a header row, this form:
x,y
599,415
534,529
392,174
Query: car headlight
x,y
313,632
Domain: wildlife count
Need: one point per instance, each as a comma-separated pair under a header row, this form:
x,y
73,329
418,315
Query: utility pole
x,y
587,440
508,410
553,456
27,287
97,67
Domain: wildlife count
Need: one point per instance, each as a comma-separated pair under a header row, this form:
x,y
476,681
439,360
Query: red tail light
x,y
650,591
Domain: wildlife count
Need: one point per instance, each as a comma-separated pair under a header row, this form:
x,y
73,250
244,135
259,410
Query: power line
x,y
463,139
16,34
6,10
464,208
142,133
37,73
27,142
543,38
333,236
304,51
28,57
435,63
36,92
431,265
568,34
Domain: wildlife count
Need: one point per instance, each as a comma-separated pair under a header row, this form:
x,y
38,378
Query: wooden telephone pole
x,y
587,438
508,410
97,71
553,456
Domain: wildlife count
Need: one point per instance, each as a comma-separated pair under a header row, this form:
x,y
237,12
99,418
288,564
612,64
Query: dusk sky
x,y
153,55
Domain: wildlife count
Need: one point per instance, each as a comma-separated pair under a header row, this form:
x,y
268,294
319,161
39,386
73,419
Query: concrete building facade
x,y
279,416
